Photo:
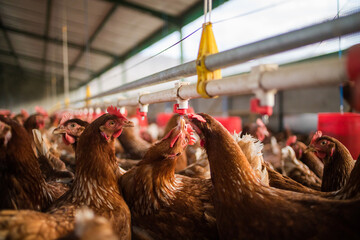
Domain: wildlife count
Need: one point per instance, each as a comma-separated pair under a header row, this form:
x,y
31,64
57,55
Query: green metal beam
x,y
93,36
39,60
46,31
54,40
163,16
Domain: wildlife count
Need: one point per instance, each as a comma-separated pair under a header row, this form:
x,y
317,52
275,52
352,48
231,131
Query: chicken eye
x,y
323,143
72,125
111,123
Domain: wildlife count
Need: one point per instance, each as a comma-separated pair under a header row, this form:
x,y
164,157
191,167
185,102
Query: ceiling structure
x,y
101,34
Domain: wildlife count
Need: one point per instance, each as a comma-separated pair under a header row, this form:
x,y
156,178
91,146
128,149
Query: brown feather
x,y
164,205
95,186
248,210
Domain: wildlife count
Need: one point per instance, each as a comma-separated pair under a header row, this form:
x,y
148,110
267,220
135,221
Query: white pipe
x,y
302,75
294,39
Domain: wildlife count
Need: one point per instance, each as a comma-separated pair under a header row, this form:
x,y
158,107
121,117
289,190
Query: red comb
x,y
40,110
260,122
291,140
24,113
5,112
115,111
66,116
316,136
196,116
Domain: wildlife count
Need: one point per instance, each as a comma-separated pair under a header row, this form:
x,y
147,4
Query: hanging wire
x,y
210,8
341,88
205,9
196,30
86,37
254,11
65,55
336,16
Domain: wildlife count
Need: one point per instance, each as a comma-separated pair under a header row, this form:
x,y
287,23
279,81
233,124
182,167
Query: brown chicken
x,y
306,156
52,167
245,209
21,117
134,146
298,171
95,186
338,162
34,121
70,129
182,161
198,169
277,180
22,183
352,187
257,129
165,205
252,148
90,227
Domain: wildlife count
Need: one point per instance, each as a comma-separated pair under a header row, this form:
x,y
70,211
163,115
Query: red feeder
x,y
344,127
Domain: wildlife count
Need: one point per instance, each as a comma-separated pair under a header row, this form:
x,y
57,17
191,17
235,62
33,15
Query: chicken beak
x,y
182,123
59,130
127,123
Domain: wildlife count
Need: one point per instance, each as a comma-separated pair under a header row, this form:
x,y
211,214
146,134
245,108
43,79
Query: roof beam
x,y
142,45
54,40
46,31
153,12
187,17
93,36
34,72
40,60
9,43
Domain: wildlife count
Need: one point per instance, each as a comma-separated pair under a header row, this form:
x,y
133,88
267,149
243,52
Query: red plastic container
x,y
163,118
344,127
230,123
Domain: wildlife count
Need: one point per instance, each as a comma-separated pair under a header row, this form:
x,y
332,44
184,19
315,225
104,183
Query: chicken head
x,y
113,126
323,146
71,129
5,133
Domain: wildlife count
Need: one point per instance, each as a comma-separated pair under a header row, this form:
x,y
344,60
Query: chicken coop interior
x,y
179,119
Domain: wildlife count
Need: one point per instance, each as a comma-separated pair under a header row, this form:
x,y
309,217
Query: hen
x,y
338,162
182,161
21,117
70,129
252,148
52,167
257,130
306,156
298,171
90,227
95,186
198,169
34,121
134,146
245,209
22,183
164,205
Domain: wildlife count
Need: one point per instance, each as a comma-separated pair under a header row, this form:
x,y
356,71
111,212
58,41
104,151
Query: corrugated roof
x,y
31,35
